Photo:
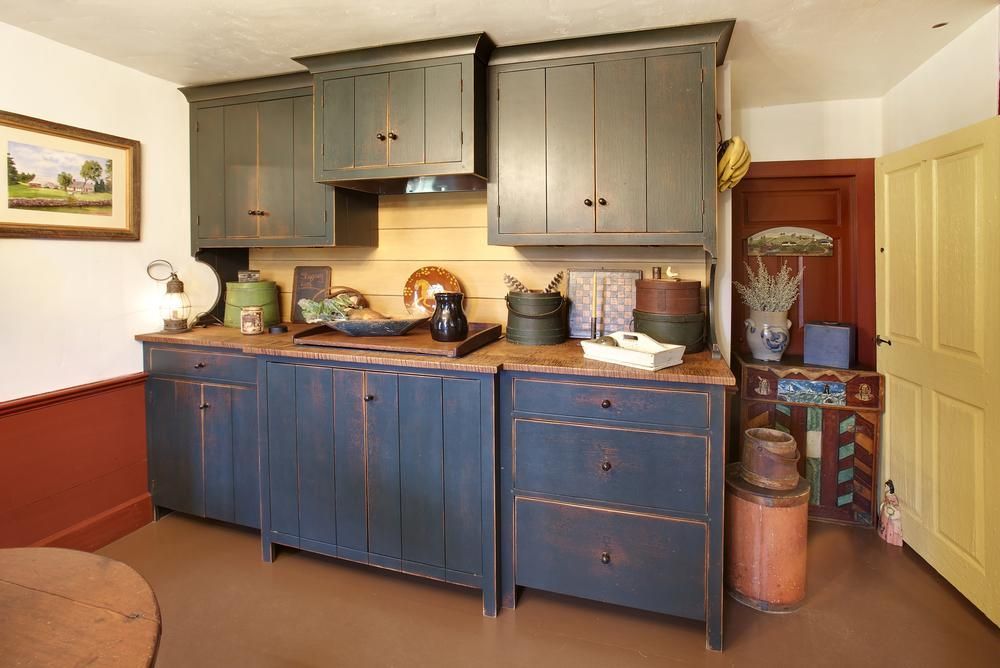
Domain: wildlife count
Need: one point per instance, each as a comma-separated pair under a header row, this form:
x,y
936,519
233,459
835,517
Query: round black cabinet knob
x,y
588,202
369,397
199,365
393,135
606,466
203,407
605,558
606,403
602,201
379,136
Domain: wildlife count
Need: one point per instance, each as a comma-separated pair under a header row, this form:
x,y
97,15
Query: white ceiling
x,y
783,51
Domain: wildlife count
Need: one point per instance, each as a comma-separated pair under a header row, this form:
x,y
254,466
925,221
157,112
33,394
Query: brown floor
x,y
868,605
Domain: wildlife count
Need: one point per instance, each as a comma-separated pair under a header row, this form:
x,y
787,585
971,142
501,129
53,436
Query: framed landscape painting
x,y
68,183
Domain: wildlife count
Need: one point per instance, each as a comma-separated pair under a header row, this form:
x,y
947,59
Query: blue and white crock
x,y
767,334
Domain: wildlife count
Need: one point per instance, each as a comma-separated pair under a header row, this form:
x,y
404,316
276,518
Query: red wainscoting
x,y
73,465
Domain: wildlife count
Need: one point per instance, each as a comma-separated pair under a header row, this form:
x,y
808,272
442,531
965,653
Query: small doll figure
x,y
890,518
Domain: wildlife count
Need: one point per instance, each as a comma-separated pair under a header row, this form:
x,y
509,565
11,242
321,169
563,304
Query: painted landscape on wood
x,y
790,241
50,180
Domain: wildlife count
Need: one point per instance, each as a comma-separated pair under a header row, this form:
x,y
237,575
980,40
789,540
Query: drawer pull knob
x,y
606,403
369,397
588,202
199,365
606,466
393,135
605,558
379,136
203,407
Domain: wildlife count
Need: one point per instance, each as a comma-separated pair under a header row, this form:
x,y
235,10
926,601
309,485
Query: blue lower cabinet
x,y
612,490
202,448
382,466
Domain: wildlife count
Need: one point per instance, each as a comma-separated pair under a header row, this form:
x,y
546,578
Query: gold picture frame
x,y
65,182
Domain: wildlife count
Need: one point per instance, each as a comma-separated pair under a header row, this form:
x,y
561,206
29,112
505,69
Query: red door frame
x,y
863,172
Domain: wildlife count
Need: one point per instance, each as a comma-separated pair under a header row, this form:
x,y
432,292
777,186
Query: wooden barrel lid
x,y
735,484
667,284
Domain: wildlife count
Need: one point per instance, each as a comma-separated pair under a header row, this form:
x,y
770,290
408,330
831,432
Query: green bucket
x,y
536,318
256,293
682,330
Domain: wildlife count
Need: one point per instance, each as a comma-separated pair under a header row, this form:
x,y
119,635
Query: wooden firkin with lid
x,y
765,543
667,297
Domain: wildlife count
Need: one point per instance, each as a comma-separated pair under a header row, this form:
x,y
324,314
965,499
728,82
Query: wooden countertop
x,y
564,358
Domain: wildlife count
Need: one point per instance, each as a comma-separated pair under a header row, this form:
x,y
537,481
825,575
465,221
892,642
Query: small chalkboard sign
x,y
308,281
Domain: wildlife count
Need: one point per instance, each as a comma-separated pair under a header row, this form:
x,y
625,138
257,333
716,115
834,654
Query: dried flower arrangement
x,y
517,286
769,292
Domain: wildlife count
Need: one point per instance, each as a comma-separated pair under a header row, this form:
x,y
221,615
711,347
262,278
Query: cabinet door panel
x,y
421,469
175,462
569,148
462,482
371,95
241,170
349,445
276,167
620,98
443,87
210,173
521,152
674,143
309,198
217,427
406,117
338,124
314,429
246,456
283,472
382,418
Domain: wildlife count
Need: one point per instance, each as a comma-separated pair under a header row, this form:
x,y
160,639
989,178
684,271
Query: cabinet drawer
x,y
642,561
203,365
632,466
680,408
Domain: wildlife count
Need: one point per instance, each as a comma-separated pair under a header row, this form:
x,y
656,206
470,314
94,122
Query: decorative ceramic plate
x,y
422,285
387,327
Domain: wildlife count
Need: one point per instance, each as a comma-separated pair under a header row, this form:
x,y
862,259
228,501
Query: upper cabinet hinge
x,y
197,126
703,207
199,221
322,149
498,92
702,75
461,85
461,137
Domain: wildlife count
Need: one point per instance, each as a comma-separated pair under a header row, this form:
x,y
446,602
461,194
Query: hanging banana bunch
x,y
734,161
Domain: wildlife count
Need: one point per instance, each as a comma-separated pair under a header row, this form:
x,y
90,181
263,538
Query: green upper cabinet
x,y
404,117
606,140
252,171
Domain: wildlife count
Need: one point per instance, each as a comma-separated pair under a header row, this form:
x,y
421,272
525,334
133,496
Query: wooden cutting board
x,y
417,340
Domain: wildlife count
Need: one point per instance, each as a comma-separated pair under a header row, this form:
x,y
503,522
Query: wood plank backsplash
x,y
448,230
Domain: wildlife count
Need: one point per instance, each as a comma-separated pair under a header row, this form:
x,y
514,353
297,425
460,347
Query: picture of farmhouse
x,y
45,179
790,241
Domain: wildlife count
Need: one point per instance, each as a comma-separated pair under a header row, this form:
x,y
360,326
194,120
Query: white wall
x,y
954,88
812,130
69,309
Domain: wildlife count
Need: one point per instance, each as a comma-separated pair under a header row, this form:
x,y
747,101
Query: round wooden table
x,y
68,608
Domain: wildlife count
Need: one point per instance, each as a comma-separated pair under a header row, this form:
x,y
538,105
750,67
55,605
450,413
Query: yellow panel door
x,y
938,303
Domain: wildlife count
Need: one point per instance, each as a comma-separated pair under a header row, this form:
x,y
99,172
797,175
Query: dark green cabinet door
x,y
674,143
309,198
349,454
406,117
443,123
209,175
382,424
620,167
569,149
520,157
241,170
176,471
371,142
336,146
276,168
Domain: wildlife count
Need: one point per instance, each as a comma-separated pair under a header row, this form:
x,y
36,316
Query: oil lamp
x,y
175,307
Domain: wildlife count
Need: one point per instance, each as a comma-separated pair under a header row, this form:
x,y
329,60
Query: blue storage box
x,y
830,344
